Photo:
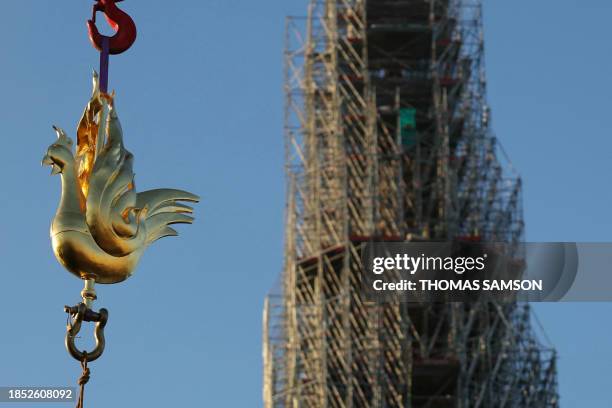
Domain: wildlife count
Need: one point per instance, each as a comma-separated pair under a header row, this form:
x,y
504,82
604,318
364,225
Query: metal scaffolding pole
x,y
388,138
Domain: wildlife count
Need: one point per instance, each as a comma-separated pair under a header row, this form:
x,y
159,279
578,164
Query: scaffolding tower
x,y
388,138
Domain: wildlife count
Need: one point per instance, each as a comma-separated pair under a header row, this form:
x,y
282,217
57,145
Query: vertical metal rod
x,y
89,293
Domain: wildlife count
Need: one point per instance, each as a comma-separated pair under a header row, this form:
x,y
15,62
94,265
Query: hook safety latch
x,y
79,314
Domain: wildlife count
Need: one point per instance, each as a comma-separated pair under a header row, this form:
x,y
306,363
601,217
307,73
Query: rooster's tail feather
x,y
163,209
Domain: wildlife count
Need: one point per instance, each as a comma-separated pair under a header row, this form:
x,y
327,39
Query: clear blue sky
x,y
200,98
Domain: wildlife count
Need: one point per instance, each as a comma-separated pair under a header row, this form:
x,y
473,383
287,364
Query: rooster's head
x,y
59,154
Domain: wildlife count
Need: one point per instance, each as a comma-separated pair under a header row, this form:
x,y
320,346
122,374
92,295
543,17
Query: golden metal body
x,y
102,225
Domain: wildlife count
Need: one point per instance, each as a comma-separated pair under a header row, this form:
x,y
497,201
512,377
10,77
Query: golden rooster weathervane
x,y
102,225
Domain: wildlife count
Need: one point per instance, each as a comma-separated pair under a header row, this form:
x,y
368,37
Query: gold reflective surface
x,y
102,225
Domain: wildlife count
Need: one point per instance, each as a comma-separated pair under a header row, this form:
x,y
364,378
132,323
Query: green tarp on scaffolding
x,y
407,122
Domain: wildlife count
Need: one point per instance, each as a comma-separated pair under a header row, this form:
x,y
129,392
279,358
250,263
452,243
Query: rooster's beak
x,y
47,161
55,170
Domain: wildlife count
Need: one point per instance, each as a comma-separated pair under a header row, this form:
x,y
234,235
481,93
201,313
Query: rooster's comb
x,y
62,138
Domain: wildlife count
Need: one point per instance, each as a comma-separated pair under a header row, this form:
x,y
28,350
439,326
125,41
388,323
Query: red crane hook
x,y
119,20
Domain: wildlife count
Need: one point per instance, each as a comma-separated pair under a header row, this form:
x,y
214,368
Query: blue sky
x,y
200,98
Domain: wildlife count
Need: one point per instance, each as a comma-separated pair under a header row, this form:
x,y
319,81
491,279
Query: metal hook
x,y
79,314
119,20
